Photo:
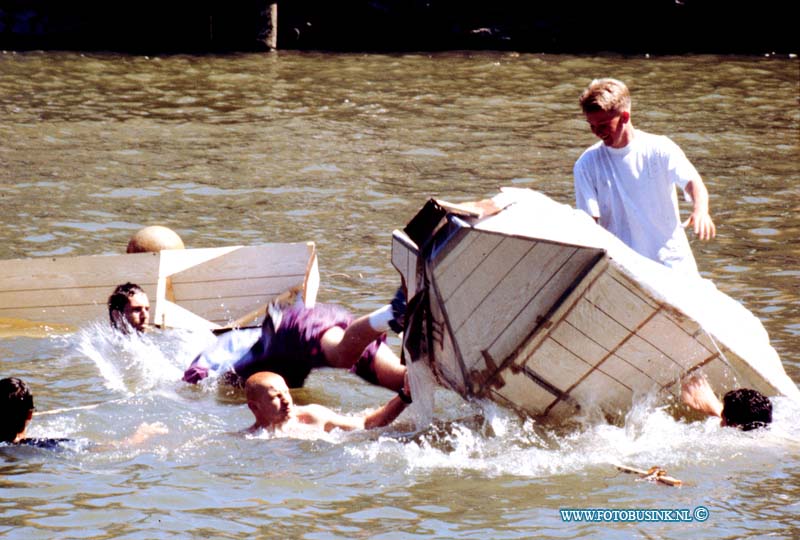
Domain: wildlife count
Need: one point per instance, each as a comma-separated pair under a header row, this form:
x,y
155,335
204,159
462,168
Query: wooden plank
x,y
601,327
558,365
598,390
228,283
478,295
524,393
554,274
450,264
568,337
65,306
405,256
527,346
240,263
48,298
642,355
666,335
263,287
59,273
445,354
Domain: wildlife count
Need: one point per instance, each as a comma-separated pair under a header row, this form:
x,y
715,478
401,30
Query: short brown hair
x,y
606,95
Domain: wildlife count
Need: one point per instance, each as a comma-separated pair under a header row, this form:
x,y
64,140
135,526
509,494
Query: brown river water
x,y
341,149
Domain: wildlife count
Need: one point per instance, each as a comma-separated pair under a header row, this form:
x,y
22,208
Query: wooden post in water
x,y
271,36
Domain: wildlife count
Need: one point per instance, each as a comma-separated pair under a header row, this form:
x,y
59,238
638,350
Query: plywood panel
x,y
453,268
627,374
405,256
524,393
557,365
596,324
557,273
447,358
665,335
247,263
229,283
262,289
619,302
58,273
479,288
598,390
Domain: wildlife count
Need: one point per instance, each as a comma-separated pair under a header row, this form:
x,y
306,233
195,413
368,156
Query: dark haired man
x,y
129,307
744,408
16,413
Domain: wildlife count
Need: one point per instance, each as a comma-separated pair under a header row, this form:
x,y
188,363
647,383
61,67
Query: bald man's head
x,y
268,398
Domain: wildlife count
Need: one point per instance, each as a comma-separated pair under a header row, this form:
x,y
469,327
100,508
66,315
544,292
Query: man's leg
x,y
343,348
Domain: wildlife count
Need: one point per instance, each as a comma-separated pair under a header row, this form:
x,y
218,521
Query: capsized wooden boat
x,y
539,309
188,288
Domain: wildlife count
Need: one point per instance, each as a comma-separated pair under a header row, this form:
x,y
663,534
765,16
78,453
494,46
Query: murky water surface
x,y
341,149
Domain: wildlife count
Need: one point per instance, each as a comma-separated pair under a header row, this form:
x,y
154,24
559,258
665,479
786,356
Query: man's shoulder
x,y
312,412
589,154
654,143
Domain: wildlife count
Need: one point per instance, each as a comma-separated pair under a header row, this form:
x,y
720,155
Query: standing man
x,y
627,180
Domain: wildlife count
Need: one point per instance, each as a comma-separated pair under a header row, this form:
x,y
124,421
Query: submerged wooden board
x,y
551,329
207,287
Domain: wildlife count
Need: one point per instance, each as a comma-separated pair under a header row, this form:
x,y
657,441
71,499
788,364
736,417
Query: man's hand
x,y
697,393
700,219
144,432
195,374
704,227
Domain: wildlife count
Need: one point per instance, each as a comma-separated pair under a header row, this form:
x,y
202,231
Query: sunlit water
x,y
341,149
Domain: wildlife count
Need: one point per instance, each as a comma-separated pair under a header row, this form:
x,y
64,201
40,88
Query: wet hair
x,y
16,402
746,409
120,298
609,95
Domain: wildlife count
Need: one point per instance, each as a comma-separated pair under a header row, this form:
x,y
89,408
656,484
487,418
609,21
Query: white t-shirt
x,y
632,192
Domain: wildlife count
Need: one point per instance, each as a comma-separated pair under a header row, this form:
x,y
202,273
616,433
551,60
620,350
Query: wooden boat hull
x,y
188,288
556,328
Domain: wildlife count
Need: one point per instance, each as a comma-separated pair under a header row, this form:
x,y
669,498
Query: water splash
x,y
485,438
131,363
